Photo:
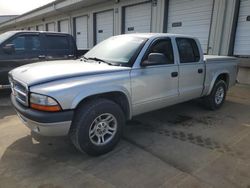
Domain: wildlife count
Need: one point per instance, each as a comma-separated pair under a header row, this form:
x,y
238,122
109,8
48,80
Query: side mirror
x,y
155,59
9,48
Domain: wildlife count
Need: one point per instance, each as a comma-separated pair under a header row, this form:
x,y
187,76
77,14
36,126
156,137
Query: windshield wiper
x,y
83,58
98,59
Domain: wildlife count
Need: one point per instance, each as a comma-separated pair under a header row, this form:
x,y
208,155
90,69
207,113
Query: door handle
x,y
174,74
200,71
41,56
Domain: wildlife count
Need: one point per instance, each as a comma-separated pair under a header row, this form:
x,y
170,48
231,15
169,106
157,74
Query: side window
x,y
19,43
164,47
24,43
33,43
188,50
57,42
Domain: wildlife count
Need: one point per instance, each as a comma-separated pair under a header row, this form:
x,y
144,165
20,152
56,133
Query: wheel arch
x,y
220,76
119,97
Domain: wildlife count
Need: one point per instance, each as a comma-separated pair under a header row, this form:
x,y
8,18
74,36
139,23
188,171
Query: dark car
x,y
23,47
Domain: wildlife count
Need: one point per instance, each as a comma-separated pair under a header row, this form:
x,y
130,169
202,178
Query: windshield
x,y
5,36
118,49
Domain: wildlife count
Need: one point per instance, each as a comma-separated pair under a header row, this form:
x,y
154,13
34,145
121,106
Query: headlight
x,y
44,103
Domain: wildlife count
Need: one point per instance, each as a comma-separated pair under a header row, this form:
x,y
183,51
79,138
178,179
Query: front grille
x,y
20,91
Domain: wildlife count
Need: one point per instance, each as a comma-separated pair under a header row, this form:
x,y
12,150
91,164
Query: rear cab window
x,y
58,46
57,42
188,50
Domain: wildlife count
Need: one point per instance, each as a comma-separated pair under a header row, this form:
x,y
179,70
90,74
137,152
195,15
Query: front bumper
x,y
44,123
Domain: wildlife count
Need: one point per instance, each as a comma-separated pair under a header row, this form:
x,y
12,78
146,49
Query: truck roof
x,y
153,35
143,35
8,34
29,31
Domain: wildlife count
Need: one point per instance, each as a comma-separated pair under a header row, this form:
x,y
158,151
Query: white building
x,y
4,18
223,26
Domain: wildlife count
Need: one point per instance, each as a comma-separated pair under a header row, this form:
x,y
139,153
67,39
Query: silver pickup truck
x,y
90,99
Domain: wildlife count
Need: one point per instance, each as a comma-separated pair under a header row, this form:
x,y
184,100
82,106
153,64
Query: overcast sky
x,y
20,6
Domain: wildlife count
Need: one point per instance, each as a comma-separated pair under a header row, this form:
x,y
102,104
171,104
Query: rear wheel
x,y
217,96
97,126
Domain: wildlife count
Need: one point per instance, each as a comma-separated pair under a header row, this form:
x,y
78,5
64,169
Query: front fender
x,y
99,91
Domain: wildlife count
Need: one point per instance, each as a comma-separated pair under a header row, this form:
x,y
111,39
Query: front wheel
x,y
217,96
97,126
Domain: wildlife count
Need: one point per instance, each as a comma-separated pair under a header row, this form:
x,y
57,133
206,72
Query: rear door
x,y
57,46
27,50
191,69
155,86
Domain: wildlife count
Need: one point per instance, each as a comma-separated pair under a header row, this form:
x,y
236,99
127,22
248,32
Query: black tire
x,y
210,100
83,120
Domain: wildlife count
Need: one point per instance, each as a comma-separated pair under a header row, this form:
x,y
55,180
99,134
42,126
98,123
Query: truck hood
x,y
42,72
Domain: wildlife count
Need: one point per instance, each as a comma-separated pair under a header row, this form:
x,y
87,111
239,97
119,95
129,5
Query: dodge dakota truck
x,y
91,98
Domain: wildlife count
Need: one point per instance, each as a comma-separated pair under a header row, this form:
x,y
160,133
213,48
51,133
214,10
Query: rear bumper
x,y
44,123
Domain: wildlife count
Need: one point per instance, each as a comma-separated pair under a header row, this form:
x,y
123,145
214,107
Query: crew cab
x,y
23,47
91,98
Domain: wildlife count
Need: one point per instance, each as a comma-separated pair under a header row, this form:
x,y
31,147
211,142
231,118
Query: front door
x,y
155,86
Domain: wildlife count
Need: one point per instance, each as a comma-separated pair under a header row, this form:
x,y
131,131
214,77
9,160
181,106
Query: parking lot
x,y
180,146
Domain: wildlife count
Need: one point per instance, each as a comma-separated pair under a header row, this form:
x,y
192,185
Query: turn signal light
x,y
55,108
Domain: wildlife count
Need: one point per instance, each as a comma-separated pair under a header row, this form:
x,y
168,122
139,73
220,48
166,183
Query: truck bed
x,y
217,59
214,64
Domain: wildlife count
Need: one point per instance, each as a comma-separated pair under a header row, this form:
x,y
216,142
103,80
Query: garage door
x,y
33,28
242,39
64,26
50,26
81,32
104,25
137,18
191,17
40,28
